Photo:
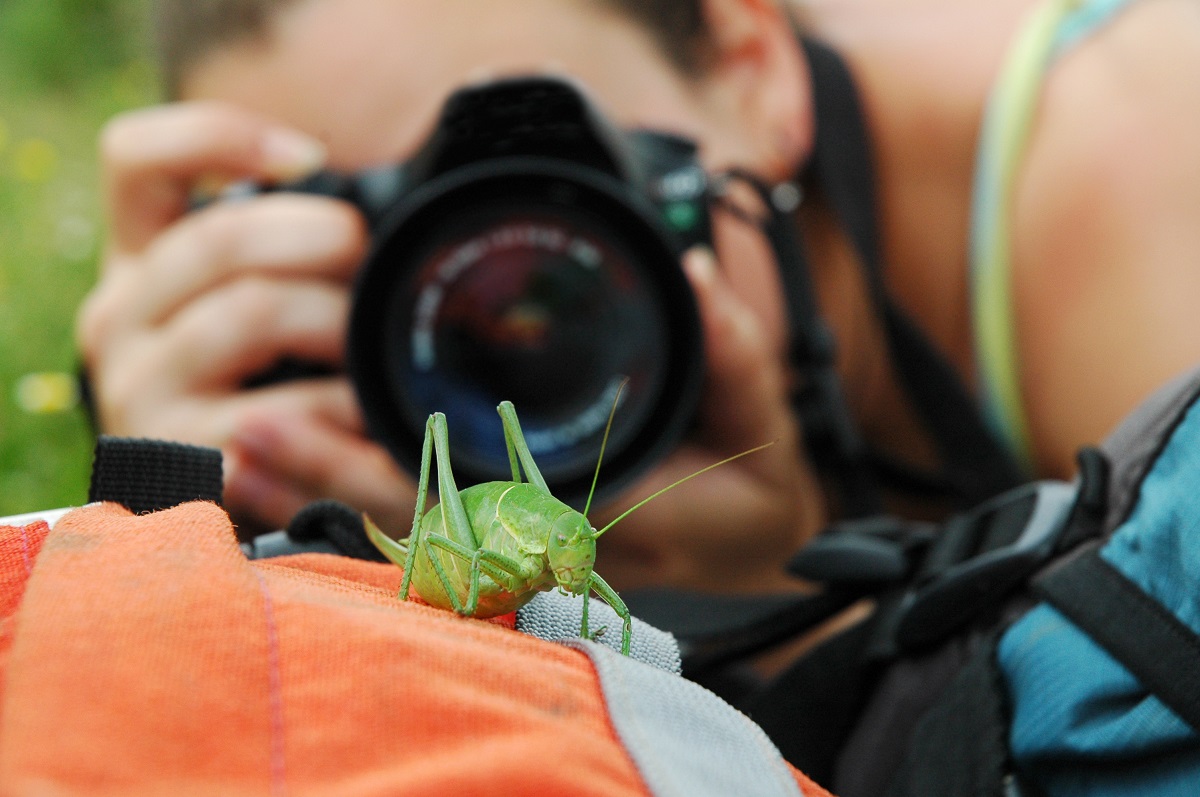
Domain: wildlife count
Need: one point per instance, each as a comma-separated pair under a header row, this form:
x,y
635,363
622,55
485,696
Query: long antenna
x,y
650,498
604,444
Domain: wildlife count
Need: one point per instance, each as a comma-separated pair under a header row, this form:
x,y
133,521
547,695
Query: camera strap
x,y
974,464
831,436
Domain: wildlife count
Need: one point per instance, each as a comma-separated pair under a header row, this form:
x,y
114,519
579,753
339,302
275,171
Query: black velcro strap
x,y
149,475
1137,630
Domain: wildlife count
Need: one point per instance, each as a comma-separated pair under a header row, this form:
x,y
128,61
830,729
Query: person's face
x,y
368,77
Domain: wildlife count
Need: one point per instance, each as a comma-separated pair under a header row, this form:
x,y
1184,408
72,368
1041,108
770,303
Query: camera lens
x,y
541,286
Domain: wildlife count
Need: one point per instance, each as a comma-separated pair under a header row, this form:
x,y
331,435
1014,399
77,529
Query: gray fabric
x,y
280,543
1135,444
555,617
684,740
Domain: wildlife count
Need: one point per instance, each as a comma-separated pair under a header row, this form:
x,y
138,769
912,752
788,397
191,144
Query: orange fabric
x,y
146,655
19,548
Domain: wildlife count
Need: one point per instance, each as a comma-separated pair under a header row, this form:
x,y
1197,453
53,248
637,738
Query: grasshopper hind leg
x,y
403,552
414,536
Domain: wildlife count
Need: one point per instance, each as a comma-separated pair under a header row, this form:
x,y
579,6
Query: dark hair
x,y
185,31
678,26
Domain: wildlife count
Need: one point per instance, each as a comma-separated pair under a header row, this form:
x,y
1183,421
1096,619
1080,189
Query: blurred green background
x,y
65,67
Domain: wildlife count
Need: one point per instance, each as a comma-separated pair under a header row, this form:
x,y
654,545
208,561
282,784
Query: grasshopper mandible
x,y
487,550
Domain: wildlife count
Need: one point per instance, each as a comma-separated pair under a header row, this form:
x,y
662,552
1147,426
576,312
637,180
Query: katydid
x,y
487,550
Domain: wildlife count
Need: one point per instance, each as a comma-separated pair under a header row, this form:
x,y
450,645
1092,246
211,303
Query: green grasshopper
x,y
487,550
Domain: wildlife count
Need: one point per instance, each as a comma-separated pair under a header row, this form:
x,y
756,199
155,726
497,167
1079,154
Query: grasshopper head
x,y
572,551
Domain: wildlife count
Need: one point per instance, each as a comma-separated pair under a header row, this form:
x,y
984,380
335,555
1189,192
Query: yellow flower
x,y
46,393
36,160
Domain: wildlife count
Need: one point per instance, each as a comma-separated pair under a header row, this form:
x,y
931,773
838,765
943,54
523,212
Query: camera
x,y
530,251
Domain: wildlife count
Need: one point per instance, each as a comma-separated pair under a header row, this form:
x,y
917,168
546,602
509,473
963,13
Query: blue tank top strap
x,y
1090,15
1053,27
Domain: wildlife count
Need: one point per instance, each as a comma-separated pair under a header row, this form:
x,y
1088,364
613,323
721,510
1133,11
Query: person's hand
x,y
190,304
730,529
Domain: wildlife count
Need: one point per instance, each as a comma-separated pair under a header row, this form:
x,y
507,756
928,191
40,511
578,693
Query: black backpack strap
x,y
976,465
810,709
960,745
716,630
149,475
831,436
1148,640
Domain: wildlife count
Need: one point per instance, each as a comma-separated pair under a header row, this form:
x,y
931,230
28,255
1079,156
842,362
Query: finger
x,y
259,495
329,400
283,235
153,157
258,499
744,401
240,329
279,235
324,460
137,400
294,443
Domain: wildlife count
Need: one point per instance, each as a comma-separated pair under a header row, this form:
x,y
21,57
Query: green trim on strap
x,y
1052,27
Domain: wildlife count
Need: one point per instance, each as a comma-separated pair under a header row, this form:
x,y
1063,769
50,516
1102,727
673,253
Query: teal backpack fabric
x,y
1083,724
1044,644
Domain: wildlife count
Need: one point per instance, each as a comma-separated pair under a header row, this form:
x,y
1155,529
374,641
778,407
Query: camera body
x,y
530,251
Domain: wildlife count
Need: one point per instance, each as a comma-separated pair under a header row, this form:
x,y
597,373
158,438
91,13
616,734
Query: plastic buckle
x,y
280,543
869,554
951,593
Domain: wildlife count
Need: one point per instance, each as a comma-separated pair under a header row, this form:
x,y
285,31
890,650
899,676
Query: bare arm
x,y
1107,233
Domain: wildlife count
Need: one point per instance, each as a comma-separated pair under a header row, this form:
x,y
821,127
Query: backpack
x,y
1045,643
143,652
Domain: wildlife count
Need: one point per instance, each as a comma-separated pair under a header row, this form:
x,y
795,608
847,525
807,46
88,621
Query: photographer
x,y
192,304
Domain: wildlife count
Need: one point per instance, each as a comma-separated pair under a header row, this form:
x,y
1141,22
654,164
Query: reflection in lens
x,y
541,308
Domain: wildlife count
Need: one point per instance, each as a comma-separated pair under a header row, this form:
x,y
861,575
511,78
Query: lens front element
x,y
539,290
537,308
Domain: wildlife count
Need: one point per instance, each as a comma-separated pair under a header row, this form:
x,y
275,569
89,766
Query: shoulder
x,y
1105,225
1113,156
1127,99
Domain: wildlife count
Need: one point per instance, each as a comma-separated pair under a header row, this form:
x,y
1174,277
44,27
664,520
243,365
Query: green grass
x,y
65,67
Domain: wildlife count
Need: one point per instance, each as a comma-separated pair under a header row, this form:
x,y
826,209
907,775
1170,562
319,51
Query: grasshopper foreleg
x,y
610,596
583,625
584,631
